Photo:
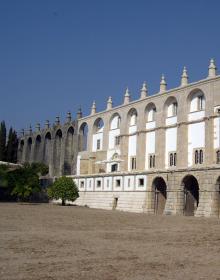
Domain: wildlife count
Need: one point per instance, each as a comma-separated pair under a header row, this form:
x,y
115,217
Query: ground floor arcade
x,y
182,192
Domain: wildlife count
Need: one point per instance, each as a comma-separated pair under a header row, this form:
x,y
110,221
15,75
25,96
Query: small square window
x,y
118,183
141,182
98,183
82,184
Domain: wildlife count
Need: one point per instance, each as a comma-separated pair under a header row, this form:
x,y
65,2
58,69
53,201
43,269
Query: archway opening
x,y
83,135
57,152
37,148
28,151
159,195
47,149
217,196
191,195
20,151
69,152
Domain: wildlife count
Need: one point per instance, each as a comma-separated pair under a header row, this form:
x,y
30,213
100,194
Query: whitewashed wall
x,y
171,143
196,139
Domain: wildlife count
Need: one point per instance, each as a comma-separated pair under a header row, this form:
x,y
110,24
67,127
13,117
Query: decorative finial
x,y
30,129
144,90
127,96
212,69
184,77
47,124
68,117
109,103
79,113
22,132
37,127
93,109
163,84
57,121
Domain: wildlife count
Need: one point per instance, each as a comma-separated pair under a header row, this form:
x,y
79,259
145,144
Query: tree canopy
x,y
64,188
25,179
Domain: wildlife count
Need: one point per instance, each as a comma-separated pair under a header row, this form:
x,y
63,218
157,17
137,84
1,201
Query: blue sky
x,y
58,55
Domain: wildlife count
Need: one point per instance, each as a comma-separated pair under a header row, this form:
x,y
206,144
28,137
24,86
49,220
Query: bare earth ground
x,y
44,241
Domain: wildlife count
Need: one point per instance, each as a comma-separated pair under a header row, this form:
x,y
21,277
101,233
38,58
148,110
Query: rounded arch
x,y
115,121
69,152
170,106
159,191
98,125
150,112
196,100
132,117
47,149
70,130
57,152
191,194
38,138
21,151
58,133
37,156
48,135
28,150
83,136
216,199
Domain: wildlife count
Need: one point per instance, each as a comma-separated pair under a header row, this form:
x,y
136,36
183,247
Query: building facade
x,y
158,154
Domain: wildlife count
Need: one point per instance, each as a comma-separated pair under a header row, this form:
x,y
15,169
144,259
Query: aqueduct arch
x,y
69,151
57,151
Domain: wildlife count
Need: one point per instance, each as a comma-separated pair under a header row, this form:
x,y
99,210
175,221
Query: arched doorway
x,y
191,195
159,188
217,196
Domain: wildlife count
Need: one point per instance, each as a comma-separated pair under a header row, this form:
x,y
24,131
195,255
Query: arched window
x,y
196,157
115,122
196,100
171,107
171,159
132,117
201,156
150,112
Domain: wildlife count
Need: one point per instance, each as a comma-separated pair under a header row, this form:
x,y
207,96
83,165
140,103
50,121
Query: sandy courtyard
x,y
53,242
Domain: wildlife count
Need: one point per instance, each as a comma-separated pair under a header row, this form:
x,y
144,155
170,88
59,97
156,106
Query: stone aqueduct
x,y
98,150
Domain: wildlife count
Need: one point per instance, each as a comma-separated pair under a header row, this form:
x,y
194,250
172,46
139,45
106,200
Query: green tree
x,y
25,180
64,188
2,141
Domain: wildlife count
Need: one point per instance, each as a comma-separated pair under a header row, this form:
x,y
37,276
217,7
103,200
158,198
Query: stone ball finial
x,y
57,121
30,129
47,124
184,77
212,69
37,127
163,84
144,90
109,103
68,117
22,132
127,96
79,113
93,109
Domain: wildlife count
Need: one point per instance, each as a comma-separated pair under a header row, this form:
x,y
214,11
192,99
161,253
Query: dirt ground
x,y
45,241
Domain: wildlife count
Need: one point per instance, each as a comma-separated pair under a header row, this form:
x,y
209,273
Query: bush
x,y
63,188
